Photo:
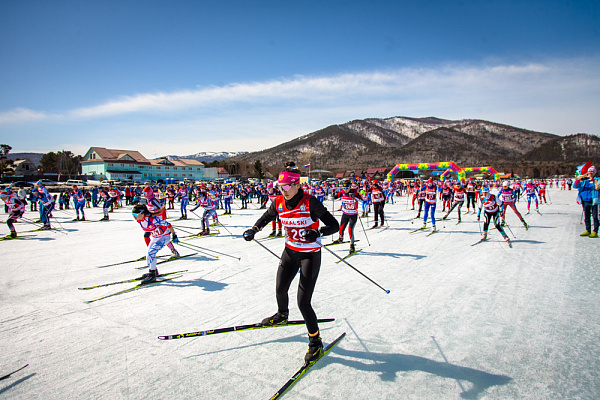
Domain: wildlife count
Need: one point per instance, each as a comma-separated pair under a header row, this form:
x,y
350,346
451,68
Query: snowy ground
x,y
486,322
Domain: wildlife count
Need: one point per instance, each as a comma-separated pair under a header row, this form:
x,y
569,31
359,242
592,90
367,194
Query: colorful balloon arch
x,y
449,165
475,170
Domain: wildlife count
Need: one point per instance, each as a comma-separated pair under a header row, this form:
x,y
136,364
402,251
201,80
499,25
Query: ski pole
x,y
267,249
220,223
29,221
511,232
184,230
348,264
58,222
214,251
364,231
187,246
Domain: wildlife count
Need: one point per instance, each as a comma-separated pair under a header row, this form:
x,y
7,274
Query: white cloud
x,y
21,115
559,96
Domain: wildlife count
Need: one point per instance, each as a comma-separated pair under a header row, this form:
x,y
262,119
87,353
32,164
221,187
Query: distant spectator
x,y
588,186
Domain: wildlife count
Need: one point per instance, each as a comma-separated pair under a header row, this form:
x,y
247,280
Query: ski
x,y
420,229
129,261
336,243
432,232
15,371
172,258
127,280
238,328
304,369
538,211
43,229
349,255
131,289
197,235
480,241
458,222
8,237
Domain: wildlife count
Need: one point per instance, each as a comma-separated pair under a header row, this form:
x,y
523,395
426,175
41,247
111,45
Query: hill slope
x,y
383,142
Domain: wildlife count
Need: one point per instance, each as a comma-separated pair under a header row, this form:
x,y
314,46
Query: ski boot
x,y
204,232
525,224
352,249
175,253
13,234
374,226
275,319
315,349
340,240
152,274
484,236
273,233
279,233
47,227
147,274
445,217
82,218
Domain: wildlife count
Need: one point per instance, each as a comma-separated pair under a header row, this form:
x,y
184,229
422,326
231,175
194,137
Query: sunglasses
x,y
135,215
285,188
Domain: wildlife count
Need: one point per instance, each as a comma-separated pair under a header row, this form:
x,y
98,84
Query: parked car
x,y
22,184
72,182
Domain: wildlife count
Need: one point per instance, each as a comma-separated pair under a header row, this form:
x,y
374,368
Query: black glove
x,y
310,235
249,234
175,239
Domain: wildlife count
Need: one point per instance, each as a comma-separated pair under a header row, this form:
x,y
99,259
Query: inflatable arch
x,y
449,166
475,170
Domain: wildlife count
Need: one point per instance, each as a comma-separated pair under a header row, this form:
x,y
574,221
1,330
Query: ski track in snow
x,y
482,322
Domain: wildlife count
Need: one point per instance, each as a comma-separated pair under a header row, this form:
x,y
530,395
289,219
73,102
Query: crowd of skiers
x,y
298,212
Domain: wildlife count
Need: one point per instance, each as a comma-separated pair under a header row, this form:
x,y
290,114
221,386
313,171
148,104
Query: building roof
x,y
375,170
116,156
190,161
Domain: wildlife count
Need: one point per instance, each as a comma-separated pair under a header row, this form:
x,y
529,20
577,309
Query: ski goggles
x,y
285,188
135,215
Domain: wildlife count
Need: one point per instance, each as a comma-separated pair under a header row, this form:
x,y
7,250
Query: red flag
x,y
585,168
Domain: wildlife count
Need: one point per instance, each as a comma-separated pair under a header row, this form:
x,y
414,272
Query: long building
x,y
102,163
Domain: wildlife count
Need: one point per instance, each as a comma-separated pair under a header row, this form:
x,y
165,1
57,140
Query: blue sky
x,y
180,77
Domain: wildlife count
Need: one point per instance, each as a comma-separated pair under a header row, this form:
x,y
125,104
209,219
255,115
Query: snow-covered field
x,y
486,322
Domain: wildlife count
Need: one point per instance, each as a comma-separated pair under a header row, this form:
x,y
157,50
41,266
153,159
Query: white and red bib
x,y
295,221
